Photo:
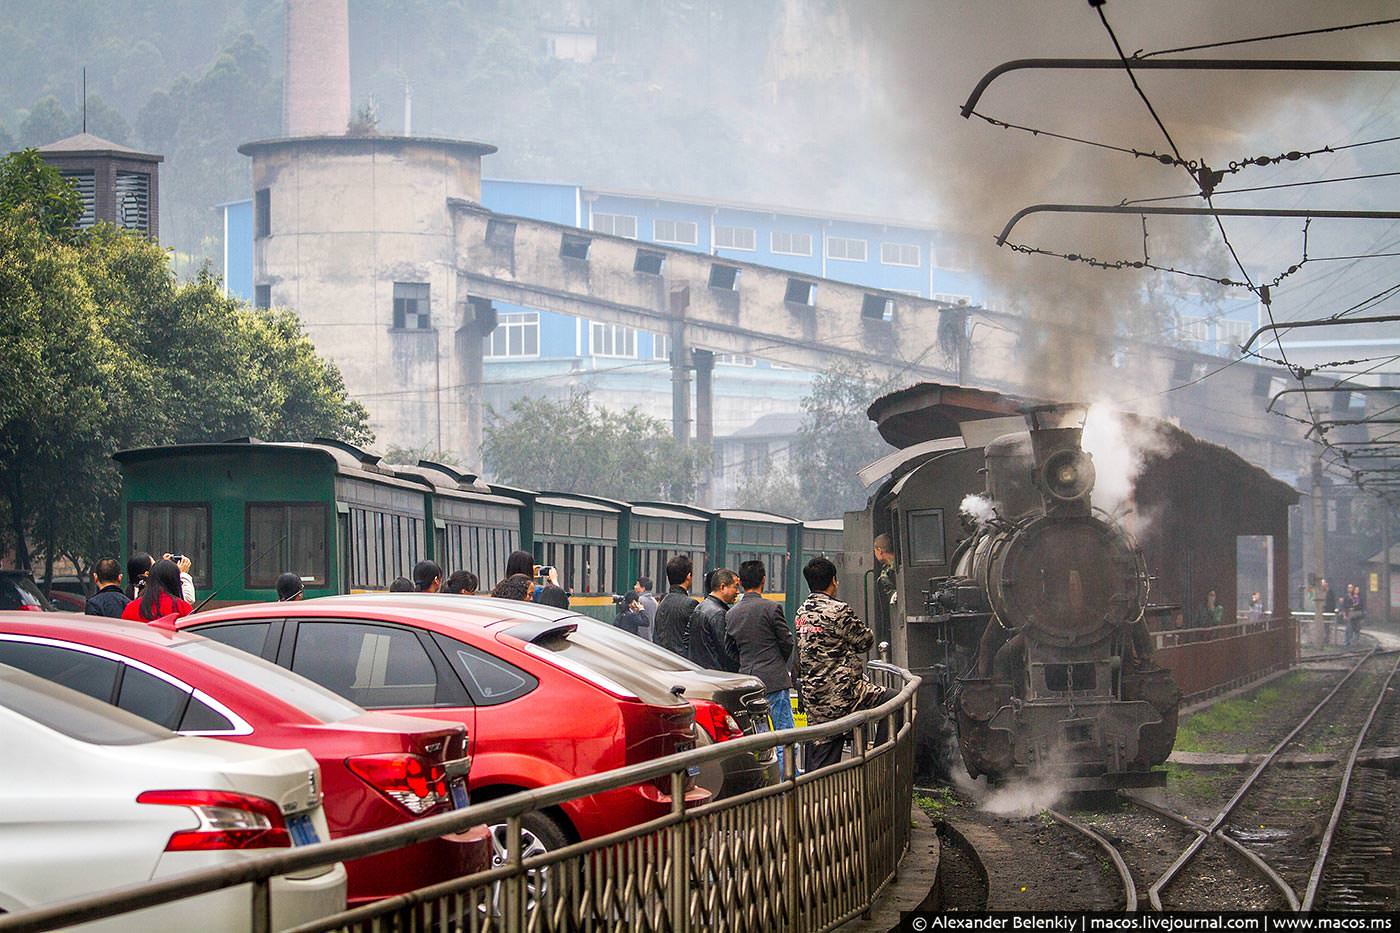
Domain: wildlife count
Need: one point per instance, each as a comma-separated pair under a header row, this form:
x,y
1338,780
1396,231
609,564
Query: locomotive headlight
x,y
1068,474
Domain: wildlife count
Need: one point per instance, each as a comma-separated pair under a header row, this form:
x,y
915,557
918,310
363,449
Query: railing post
x,y
794,840
679,854
261,920
516,884
863,783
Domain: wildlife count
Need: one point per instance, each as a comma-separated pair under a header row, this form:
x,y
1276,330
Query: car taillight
x,y
227,820
715,720
30,607
411,781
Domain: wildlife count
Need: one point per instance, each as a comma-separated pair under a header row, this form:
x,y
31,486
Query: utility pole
x,y
1385,562
1319,523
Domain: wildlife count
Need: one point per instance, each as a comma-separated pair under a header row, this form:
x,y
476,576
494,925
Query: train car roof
x,y
826,524
347,459
672,510
573,500
433,479
745,515
931,410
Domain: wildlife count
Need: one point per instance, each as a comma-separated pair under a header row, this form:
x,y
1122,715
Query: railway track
x,y
1307,827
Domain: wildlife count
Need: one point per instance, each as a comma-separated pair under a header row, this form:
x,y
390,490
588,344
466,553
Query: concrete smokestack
x,y
316,96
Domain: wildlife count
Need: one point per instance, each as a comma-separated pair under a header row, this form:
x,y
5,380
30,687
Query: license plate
x,y
762,723
692,770
302,830
459,794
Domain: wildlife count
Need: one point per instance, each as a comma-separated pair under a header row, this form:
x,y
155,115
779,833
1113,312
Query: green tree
x,y
835,440
102,349
570,445
33,191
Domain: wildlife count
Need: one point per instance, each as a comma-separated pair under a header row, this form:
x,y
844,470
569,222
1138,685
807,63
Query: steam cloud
x,y
979,175
978,508
1120,447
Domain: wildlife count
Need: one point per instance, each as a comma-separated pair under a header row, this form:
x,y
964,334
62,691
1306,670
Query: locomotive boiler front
x,y
1063,680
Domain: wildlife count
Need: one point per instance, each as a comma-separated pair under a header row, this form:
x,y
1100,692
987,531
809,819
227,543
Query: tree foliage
x,y
102,349
570,445
835,440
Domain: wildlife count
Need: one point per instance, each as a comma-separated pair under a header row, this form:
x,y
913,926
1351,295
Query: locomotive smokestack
x,y
1063,471
316,96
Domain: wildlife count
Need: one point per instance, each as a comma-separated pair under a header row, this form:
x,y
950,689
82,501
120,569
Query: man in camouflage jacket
x,y
832,645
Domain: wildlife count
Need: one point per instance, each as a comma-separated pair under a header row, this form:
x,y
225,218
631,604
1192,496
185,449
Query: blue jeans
x,y
780,710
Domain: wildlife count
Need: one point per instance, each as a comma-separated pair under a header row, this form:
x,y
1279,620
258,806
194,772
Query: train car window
x,y
285,536
926,537
595,526
172,528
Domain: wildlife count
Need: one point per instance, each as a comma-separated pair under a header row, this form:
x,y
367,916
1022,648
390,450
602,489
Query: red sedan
x,y
377,770
541,706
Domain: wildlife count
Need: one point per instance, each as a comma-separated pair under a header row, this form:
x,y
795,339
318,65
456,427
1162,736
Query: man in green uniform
x,y
884,563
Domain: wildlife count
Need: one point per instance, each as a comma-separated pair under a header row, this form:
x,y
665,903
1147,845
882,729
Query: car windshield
x,y
601,634
74,714
295,689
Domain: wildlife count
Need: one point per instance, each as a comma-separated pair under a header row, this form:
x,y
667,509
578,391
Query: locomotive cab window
x,y
283,537
926,537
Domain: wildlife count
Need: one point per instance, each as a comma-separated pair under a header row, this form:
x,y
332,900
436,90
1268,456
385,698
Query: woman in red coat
x,y
161,596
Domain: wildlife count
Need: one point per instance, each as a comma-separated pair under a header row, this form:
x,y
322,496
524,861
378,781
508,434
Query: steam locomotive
x,y
1022,607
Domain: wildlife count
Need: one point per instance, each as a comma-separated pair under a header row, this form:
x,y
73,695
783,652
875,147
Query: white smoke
x,y
978,508
1120,447
1022,798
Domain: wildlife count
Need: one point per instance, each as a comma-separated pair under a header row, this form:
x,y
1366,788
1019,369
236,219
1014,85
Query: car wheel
x,y
539,833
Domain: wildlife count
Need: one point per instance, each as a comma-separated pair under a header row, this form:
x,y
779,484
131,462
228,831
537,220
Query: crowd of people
x,y
734,628
731,627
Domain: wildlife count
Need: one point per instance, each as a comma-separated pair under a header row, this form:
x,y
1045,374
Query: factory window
x,y
1193,329
735,237
1233,333
133,196
755,458
877,308
661,346
791,244
573,246
951,258
734,359
800,292
684,232
262,211
515,335
840,247
86,185
899,254
725,278
616,225
649,261
612,340
262,296
411,307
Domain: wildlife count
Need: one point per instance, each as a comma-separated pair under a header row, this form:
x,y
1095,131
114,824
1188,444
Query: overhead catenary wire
x,y
1139,55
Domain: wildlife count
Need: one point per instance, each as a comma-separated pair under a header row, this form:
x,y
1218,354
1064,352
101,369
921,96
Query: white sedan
x,y
93,798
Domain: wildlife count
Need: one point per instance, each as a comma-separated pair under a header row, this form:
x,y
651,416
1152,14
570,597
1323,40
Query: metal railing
x,y
808,853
